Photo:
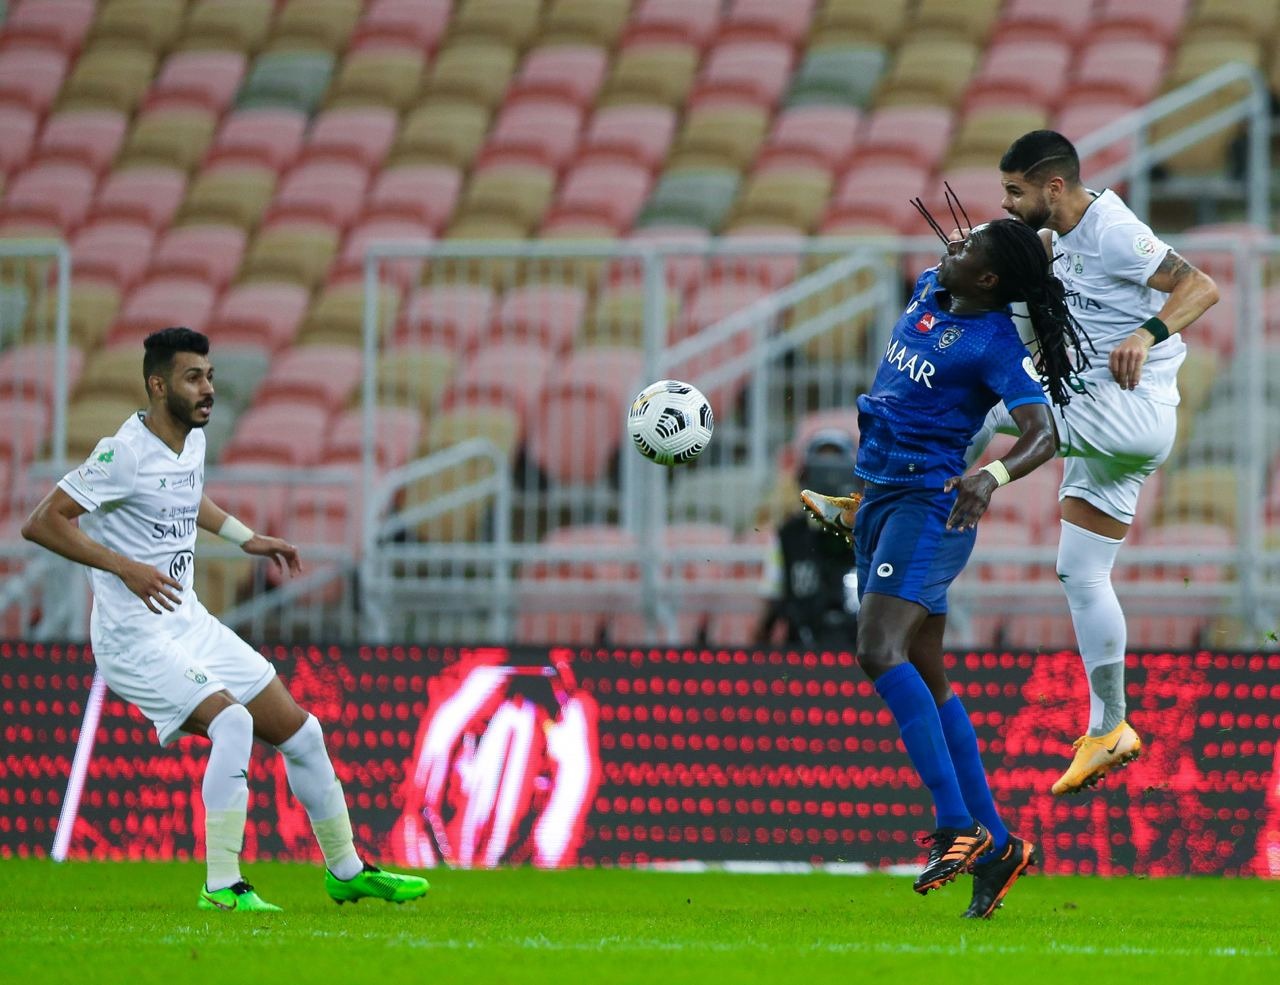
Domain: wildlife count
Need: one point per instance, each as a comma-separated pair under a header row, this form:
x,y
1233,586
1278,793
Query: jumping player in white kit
x,y
130,515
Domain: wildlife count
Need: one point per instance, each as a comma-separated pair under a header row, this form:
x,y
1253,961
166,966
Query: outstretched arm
x,y
1034,447
216,520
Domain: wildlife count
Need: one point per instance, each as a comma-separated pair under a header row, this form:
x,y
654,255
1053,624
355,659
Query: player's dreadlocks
x,y
1026,274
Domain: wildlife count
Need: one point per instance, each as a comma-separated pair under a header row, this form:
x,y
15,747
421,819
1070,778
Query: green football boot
x,y
241,897
374,883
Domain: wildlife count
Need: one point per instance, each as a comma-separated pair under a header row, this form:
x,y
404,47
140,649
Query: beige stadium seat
x,y
584,21
1199,495
415,376
93,308
233,25
792,196
149,24
969,21
509,22
92,419
517,193
299,254
651,73
859,22
237,194
617,318
114,374
378,78
930,71
323,25
169,137
1234,20
720,136
473,70
984,135
337,316
443,132
108,78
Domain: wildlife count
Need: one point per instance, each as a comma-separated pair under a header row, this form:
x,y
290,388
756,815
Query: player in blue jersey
x,y
953,355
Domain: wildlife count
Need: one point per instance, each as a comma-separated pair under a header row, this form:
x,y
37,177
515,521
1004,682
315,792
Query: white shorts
x,y
167,674
1111,443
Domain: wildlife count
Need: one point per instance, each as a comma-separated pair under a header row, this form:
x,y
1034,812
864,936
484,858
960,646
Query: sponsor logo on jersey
x,y
180,564
885,570
107,456
919,369
176,530
926,322
1145,245
187,481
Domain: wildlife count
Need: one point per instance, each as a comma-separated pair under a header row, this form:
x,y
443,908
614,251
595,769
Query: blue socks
x,y
963,746
908,697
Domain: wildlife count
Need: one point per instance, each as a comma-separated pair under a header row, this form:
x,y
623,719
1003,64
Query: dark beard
x,y
182,411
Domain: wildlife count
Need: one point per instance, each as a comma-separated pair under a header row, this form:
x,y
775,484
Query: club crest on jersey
x,y
1077,263
926,322
949,337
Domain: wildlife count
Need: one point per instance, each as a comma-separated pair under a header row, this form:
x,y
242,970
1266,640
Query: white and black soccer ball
x,y
670,422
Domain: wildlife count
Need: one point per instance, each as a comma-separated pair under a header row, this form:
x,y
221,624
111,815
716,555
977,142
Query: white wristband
x,y
234,531
998,472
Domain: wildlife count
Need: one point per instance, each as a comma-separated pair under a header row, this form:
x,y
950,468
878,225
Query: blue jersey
x,y
940,375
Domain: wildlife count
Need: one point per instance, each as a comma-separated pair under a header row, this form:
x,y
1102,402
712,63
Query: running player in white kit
x,y
138,500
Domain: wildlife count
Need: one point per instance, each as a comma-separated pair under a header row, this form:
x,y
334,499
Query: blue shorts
x,y
904,548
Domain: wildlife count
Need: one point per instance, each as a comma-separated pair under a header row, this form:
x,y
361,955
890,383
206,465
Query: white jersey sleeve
x,y
1131,251
108,475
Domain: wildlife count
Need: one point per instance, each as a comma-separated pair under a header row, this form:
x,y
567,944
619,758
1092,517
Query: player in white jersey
x,y
1133,295
130,515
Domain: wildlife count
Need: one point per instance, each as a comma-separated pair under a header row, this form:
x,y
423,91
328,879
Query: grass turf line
x,y
102,922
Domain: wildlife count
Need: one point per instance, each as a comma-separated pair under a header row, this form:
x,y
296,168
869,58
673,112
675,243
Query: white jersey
x,y
142,501
1106,260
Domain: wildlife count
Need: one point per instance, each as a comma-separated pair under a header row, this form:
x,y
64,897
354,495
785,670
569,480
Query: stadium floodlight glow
x,y
79,769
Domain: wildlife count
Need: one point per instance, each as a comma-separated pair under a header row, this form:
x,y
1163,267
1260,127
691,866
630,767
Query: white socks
x,y
225,790
313,782
1085,560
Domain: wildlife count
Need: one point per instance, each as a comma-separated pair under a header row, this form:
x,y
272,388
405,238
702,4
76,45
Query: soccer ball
x,y
670,422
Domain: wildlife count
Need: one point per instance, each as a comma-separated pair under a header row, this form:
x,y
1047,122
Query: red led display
x,y
480,756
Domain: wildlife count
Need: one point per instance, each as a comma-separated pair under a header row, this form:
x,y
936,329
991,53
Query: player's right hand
x,y
156,589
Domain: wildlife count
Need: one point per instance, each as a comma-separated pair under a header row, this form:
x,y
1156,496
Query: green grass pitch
x,y
137,923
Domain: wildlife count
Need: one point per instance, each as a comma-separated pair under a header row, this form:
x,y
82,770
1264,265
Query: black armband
x,y
1158,329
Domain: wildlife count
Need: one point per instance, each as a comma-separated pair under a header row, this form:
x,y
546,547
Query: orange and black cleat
x,y
995,873
952,851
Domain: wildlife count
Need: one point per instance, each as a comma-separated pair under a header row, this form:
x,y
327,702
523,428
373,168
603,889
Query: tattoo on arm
x,y
1172,269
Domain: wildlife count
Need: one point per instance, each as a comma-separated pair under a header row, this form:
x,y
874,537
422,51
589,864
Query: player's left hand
x,y
282,554
974,498
1127,359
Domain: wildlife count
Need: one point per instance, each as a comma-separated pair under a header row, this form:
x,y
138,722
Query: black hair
x,y
1043,154
163,345
1018,258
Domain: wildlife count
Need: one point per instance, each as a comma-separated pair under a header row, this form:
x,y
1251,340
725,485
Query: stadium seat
x,y
205,80
259,314
1077,120
88,137
838,75
377,77
91,420
387,25
18,124
716,495
94,305
229,193
28,375
699,198
37,23
402,273
397,433
148,24
450,316
1118,69
414,376
508,22
824,136
442,132
108,78
978,189
323,25
147,194
158,303
657,73
695,21
971,21
296,252
1192,59
227,25
1020,75
289,435
1234,20
995,535
755,20
920,134
1139,19
211,253
474,71
591,22
790,195
31,77
112,251
1038,633
881,192
639,134
1043,20
325,192
112,374
291,80
263,137
239,371
1198,495
541,132
324,376
754,73
983,135
426,193
930,70
57,192
362,136
617,318
548,314
570,73
519,193
613,192
337,316
719,137
27,429
859,22
169,137
511,374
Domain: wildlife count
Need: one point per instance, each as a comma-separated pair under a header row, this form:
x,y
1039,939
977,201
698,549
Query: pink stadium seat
x,y
548,314
978,189
1035,509
26,429
1077,120
571,73
114,251
1218,327
1165,632
18,124
920,134
272,137
403,273
396,23
28,374
205,252
1020,74
427,193
683,271
62,25
639,134
1039,632
282,434
993,535
31,77
673,20
397,431
323,376
772,270
150,194
577,432
881,192
453,316
328,192
88,137
613,192
820,135
1217,262
1139,19
512,374
754,72
1118,69
1043,20
768,20
159,303
259,506
260,314
1190,542
57,192
361,135
708,305
542,131
202,79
